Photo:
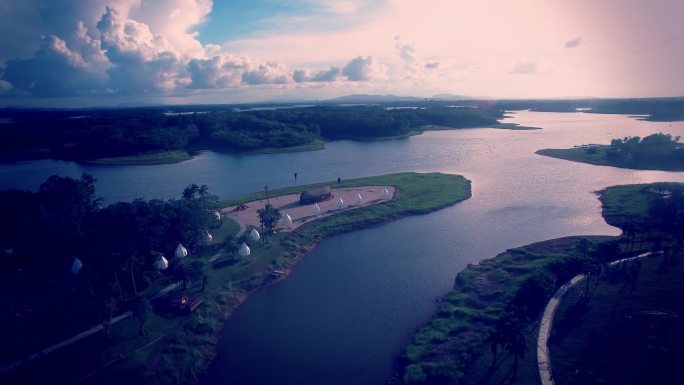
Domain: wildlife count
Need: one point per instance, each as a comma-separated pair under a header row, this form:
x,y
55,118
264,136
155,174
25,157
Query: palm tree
x,y
269,217
191,191
142,308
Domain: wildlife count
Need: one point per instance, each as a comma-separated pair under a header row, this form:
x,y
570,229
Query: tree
x,y
142,308
197,272
269,217
180,273
511,335
107,309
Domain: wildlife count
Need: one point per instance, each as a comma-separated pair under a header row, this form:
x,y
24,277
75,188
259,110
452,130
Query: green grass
x,y
451,349
148,158
454,341
631,202
183,346
598,157
579,154
315,145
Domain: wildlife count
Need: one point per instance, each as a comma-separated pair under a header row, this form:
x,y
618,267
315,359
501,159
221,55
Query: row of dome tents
x,y
244,250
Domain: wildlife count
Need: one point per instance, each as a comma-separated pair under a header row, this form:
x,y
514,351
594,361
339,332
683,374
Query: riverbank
x,y
149,158
597,155
178,348
480,335
414,194
456,345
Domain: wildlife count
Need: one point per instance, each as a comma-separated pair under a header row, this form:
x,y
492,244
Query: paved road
x,y
543,354
78,336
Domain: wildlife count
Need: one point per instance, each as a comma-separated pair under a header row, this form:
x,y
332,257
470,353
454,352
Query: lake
x,y
351,305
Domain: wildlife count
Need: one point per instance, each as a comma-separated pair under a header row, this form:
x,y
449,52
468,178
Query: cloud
x,y
5,86
132,46
330,75
55,70
526,68
218,72
364,69
414,66
269,73
574,43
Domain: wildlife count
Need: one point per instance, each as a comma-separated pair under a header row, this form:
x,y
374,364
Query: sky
x,y
70,53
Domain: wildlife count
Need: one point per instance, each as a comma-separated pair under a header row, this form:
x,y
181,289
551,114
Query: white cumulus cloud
x,y
364,68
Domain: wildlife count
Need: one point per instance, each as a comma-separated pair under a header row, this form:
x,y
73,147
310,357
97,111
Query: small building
x,y
315,195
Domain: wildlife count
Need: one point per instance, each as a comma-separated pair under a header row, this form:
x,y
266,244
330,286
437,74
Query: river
x,y
352,304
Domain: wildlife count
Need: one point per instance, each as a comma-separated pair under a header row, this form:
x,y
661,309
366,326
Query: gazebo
x,y
315,195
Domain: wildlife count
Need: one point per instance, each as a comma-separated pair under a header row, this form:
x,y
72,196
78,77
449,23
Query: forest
x,y
99,133
69,259
654,149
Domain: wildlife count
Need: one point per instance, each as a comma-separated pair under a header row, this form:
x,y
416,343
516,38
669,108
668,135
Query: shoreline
x,y
599,158
454,345
179,349
182,155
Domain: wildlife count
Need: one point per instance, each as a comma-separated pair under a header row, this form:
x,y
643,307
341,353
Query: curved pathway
x,y
543,354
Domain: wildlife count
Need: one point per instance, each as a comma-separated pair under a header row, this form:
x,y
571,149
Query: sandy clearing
x,y
300,214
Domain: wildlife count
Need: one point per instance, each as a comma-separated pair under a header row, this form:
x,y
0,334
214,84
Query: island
x,y
654,152
152,306
486,328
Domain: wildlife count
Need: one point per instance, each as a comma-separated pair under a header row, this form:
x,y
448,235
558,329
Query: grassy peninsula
x,y
654,152
148,158
485,330
176,349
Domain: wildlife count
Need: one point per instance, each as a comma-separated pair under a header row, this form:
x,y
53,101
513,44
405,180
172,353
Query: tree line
x,y
118,248
656,149
90,134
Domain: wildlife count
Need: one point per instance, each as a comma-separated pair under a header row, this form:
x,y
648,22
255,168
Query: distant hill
x,y
450,97
365,98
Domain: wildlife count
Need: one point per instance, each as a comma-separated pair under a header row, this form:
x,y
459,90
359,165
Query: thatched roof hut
x,y
314,195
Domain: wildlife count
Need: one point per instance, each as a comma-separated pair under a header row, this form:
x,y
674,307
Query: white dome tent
x,y
209,237
385,193
181,251
340,203
162,264
244,250
76,266
359,199
217,215
287,220
254,235
316,210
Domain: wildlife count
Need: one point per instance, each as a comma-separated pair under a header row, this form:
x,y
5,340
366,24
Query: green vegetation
x,y
491,310
485,329
654,152
627,328
146,158
177,348
314,145
127,136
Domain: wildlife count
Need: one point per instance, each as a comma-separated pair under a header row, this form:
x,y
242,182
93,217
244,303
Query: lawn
x,y
162,157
